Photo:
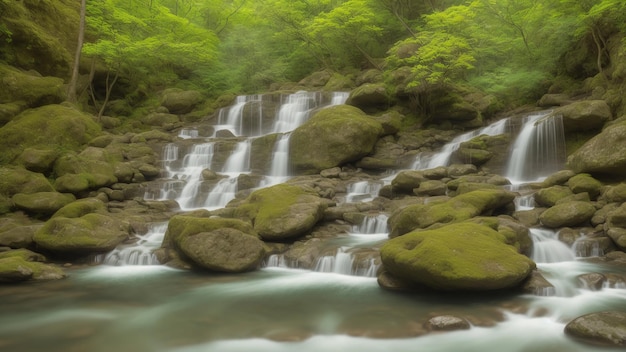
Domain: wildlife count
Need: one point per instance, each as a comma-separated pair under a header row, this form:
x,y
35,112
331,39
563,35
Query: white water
x,y
140,252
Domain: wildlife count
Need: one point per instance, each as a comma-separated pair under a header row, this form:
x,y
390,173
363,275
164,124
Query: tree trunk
x,y
107,95
71,90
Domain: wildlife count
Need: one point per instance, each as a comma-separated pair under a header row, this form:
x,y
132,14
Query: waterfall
x,y
239,160
372,225
425,161
539,149
363,191
140,252
279,170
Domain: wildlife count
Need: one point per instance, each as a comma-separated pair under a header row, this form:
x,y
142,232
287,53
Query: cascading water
x,y
140,252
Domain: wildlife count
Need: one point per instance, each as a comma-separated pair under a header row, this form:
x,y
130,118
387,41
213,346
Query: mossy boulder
x,y
224,250
31,90
283,211
615,193
407,180
179,101
332,137
55,127
87,170
14,180
81,207
20,236
548,197
585,183
604,154
615,226
585,115
568,214
457,257
459,208
92,233
38,160
216,244
606,328
42,203
369,95
16,269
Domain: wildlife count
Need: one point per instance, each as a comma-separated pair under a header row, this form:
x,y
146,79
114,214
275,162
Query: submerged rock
x,y
457,257
446,323
601,328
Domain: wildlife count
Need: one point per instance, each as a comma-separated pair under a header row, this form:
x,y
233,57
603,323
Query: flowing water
x,y
130,303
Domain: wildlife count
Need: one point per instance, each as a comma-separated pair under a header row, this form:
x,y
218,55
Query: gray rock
x,y
602,328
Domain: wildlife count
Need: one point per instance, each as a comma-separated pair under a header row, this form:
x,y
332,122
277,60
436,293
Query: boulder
x,y
31,89
55,127
223,250
87,170
332,137
179,101
81,208
14,180
583,116
568,214
446,323
42,203
606,328
550,100
585,183
548,197
369,95
283,211
38,160
16,269
160,119
604,154
91,233
459,208
458,257
18,236
407,180
615,226
616,193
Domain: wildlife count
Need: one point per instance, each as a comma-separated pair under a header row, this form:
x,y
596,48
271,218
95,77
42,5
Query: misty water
x,y
131,303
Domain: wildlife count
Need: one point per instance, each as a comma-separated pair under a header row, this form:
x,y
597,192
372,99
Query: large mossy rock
x,y
92,233
28,89
567,214
615,226
283,211
216,244
459,208
459,257
93,168
14,180
585,115
332,137
601,328
604,154
178,101
42,203
47,127
369,95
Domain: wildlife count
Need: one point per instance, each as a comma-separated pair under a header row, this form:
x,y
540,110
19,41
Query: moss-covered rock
x,y
16,269
332,137
18,236
407,180
604,154
615,193
585,183
38,160
54,127
459,208
369,95
42,203
25,254
600,328
224,250
283,211
81,207
87,170
179,101
584,115
92,233
615,226
548,197
567,214
181,226
29,89
464,256
14,180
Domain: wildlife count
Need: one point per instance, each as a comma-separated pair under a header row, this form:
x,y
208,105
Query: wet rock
x,y
332,137
592,281
459,208
223,250
458,257
537,285
558,178
91,233
16,269
602,328
406,181
446,323
567,214
283,211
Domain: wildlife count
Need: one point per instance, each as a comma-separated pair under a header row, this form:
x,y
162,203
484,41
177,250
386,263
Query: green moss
x,y
50,127
181,226
463,256
15,180
80,208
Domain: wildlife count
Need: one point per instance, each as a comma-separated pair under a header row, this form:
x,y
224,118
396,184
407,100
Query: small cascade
x,y
548,249
239,160
188,133
340,263
295,111
363,191
233,118
442,158
279,171
372,225
539,149
140,252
